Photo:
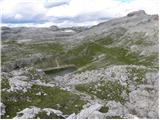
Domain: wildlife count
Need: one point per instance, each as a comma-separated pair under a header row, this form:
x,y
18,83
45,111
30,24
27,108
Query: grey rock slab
x,y
88,111
97,115
28,113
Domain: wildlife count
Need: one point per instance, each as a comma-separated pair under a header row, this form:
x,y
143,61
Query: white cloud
x,y
84,11
150,6
77,7
18,16
25,8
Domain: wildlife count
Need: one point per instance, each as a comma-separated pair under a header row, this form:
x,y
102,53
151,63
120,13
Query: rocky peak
x,y
53,27
137,13
5,28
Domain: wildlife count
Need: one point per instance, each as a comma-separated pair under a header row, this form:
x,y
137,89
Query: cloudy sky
x,y
64,13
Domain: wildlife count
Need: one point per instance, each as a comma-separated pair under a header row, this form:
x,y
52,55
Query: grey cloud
x,y
56,3
40,18
81,18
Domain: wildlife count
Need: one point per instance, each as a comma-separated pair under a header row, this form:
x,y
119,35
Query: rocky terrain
x,y
33,33
107,71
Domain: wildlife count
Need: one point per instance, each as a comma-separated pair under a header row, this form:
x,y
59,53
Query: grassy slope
x,y
85,53
82,55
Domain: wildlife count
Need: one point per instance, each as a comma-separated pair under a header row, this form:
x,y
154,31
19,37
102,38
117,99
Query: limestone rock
x,y
2,108
50,110
96,115
116,109
143,104
28,113
87,112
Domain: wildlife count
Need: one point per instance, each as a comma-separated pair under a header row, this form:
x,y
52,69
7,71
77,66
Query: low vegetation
x,y
50,97
83,55
105,90
104,109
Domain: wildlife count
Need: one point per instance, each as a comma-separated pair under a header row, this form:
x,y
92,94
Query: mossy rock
x,y
104,109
